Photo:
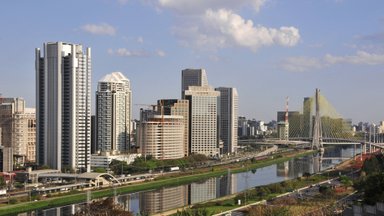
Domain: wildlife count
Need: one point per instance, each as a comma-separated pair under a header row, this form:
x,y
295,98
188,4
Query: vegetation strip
x,y
167,182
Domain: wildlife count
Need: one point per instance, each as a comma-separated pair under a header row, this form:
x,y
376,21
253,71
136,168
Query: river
x,y
173,197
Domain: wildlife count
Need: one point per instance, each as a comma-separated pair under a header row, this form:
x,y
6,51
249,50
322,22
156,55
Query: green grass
x,y
165,182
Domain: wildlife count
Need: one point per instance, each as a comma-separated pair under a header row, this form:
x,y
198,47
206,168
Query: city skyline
x,y
299,50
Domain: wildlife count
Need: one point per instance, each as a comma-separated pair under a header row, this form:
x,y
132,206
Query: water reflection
x,y
170,198
163,199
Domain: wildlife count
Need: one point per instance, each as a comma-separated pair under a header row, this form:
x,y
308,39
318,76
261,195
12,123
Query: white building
x,y
192,77
203,101
63,106
113,113
228,117
103,160
161,136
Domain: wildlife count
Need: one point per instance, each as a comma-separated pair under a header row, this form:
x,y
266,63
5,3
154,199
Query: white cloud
x,y
123,2
99,29
361,57
200,6
124,52
216,24
140,40
128,53
301,64
223,28
160,53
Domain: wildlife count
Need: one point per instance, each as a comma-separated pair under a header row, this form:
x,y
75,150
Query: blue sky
x,y
267,49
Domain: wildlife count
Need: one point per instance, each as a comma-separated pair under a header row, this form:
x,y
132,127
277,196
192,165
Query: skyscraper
x,y
63,101
18,129
180,108
161,135
228,117
113,113
192,77
203,120
308,115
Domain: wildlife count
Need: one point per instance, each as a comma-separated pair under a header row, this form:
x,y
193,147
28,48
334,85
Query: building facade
x,y
164,199
179,108
203,133
228,117
192,77
161,136
18,132
113,113
63,106
25,135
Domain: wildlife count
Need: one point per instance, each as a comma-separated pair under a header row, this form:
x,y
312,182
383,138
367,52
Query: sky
x,y
267,49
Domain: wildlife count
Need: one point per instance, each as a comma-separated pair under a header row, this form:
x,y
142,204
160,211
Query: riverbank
x,y
164,181
281,194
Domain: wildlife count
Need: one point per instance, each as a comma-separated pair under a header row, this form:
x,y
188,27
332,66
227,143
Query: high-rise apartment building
x,y
295,119
308,115
63,101
113,113
18,126
161,135
228,117
25,135
203,106
192,77
179,108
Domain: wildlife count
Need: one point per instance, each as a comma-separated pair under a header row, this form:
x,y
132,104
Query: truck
x,y
172,169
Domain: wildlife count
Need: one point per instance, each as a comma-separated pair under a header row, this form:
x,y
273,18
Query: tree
x,y
373,188
118,167
2,182
105,207
99,170
268,211
193,212
307,175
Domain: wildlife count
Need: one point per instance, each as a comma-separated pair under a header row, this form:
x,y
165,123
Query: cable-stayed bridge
x,y
319,124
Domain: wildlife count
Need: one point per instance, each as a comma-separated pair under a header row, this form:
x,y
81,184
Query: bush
x,y
12,201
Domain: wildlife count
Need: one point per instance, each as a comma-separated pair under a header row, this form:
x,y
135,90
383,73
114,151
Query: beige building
x,y
18,131
203,103
180,108
161,136
25,134
164,199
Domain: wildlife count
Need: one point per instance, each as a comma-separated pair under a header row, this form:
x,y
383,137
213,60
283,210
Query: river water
x,y
164,199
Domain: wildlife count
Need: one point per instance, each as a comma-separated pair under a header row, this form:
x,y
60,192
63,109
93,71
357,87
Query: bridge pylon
x,y
317,142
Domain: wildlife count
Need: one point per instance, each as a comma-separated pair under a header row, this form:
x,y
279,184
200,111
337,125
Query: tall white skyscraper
x,y
228,117
192,77
63,101
113,113
203,103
